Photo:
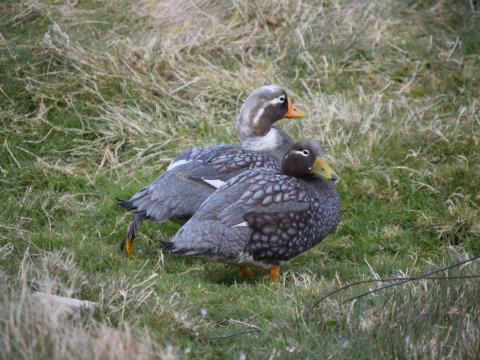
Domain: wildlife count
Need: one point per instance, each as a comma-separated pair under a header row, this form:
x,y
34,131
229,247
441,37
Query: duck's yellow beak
x,y
293,112
322,169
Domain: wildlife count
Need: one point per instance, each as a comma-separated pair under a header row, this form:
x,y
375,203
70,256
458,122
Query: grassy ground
x,y
97,97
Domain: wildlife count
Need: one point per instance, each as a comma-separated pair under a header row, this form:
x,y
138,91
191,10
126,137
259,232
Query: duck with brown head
x,y
265,216
198,172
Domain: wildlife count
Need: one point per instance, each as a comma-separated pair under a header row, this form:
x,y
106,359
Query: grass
x,y
97,97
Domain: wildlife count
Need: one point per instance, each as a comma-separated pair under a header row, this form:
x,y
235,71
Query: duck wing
x,y
178,193
203,154
281,235
266,191
278,209
229,164
173,195
223,226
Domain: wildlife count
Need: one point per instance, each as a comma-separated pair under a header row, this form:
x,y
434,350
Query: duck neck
x,y
269,142
250,122
257,133
322,186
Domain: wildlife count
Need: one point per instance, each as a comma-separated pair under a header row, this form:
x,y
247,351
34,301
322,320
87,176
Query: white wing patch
x,y
241,224
214,182
174,164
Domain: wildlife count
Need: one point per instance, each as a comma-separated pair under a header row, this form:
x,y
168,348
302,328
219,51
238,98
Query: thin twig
x,y
459,277
402,280
242,332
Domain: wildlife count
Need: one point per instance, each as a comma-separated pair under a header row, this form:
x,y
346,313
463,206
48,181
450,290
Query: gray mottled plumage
x,y
178,193
261,217
196,173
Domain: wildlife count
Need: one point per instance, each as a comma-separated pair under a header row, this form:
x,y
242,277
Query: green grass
x,y
97,97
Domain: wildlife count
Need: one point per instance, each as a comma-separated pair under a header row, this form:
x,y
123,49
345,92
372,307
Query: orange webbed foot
x,y
245,272
273,274
127,246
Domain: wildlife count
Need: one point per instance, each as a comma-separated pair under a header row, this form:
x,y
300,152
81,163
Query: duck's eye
x,y
306,152
281,99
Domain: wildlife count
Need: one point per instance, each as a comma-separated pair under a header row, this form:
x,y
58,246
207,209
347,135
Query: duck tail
x,y
168,246
126,204
172,248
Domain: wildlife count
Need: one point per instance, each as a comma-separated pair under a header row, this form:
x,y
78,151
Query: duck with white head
x,y
196,173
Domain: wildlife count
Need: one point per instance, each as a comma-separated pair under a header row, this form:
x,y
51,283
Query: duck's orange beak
x,y
293,112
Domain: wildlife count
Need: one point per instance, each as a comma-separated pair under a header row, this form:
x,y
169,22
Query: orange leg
x,y
127,246
245,271
273,274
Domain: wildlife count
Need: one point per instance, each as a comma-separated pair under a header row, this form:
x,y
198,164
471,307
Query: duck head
x,y
306,159
262,108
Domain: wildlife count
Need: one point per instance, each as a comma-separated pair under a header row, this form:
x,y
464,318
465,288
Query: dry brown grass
x,y
33,329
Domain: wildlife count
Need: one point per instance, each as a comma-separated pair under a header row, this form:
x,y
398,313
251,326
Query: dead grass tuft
x,y
458,221
32,329
421,316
